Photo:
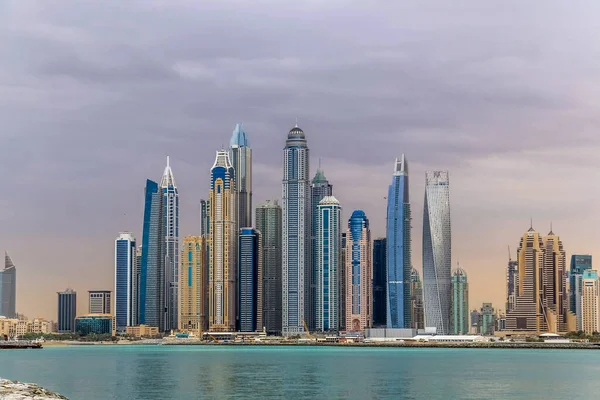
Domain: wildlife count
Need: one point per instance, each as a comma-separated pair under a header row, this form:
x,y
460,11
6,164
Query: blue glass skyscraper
x,y
579,263
126,290
359,273
170,222
398,249
379,283
250,281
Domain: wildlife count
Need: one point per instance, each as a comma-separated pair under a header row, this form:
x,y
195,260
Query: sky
x,y
94,95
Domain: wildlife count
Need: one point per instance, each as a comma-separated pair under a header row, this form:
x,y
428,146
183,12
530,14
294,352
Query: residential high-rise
x,y
296,232
126,289
67,311
170,216
555,304
437,251
398,256
193,284
240,155
359,273
416,300
527,312
99,301
590,298
319,189
379,282
512,284
8,288
579,263
204,220
222,246
268,223
152,272
459,318
342,286
328,243
487,320
250,281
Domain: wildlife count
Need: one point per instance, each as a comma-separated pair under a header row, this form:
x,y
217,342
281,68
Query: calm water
x,y
188,372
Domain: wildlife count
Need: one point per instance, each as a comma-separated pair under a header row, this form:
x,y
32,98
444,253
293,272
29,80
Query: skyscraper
x,y
487,320
512,284
590,306
67,311
250,281
416,300
204,220
296,233
100,301
268,223
319,188
555,304
152,271
437,251
8,288
126,289
170,216
342,287
328,263
379,282
193,284
359,273
398,248
579,263
222,246
240,155
459,320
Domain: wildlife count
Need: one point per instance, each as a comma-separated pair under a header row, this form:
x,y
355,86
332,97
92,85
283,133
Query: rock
x,y
13,390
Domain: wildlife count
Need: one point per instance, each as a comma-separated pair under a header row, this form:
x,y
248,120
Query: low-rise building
x,y
99,324
142,331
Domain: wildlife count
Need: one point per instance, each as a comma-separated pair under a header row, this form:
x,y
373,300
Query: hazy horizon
x,y
502,95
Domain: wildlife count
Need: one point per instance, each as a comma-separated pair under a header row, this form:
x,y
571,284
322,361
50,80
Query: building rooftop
x,y
239,138
168,179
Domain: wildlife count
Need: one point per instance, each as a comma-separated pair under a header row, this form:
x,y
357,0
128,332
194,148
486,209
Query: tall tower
x,y
204,220
126,289
437,251
152,270
342,287
555,303
416,299
296,233
268,223
240,155
8,288
379,282
459,321
359,273
527,312
222,245
579,264
590,305
512,284
250,281
398,248
67,311
99,302
171,232
328,263
193,284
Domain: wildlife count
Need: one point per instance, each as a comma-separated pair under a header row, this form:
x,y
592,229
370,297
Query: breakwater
x,y
19,344
14,390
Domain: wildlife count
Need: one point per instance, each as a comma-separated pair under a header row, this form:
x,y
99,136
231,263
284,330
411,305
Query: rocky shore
x,y
13,390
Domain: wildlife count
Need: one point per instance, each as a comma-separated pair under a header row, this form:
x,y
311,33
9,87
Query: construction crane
x,y
306,329
509,257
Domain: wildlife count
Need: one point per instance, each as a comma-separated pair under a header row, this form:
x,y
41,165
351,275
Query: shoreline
x,y
482,345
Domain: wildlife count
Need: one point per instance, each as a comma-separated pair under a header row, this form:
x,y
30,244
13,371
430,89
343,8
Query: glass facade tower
x,y
67,311
359,269
8,288
437,251
459,322
250,281
240,155
170,222
579,263
296,207
379,282
398,248
126,291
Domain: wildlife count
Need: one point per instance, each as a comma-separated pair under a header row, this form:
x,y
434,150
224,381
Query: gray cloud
x,y
94,95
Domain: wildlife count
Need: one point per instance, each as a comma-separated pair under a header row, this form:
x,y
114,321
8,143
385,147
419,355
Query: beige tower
x,y
359,273
193,285
590,298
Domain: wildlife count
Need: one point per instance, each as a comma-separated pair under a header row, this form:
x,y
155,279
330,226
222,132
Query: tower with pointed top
x,y
240,155
296,233
398,234
359,273
459,319
8,288
437,251
319,189
222,242
171,237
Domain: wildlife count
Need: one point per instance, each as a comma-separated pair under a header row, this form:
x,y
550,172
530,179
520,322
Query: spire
x,y
239,138
7,261
319,177
401,166
550,233
168,180
296,122
531,225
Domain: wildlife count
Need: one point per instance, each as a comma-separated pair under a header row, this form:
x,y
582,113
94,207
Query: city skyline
x,y
478,113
